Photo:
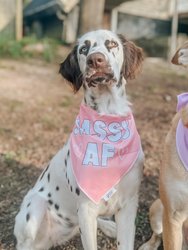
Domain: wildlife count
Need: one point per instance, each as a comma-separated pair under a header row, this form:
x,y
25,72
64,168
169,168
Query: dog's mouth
x,y
95,78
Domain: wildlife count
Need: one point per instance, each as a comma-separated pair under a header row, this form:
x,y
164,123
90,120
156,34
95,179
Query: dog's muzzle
x,y
98,70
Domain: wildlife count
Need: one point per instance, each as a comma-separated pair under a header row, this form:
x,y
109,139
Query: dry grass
x,y
37,110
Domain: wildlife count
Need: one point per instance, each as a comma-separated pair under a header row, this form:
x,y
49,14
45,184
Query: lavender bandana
x,y
182,132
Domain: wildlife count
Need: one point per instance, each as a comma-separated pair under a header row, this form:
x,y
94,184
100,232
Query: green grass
x,y
67,101
15,49
9,157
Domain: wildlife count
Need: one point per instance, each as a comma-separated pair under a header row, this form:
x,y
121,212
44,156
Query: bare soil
x,y
37,111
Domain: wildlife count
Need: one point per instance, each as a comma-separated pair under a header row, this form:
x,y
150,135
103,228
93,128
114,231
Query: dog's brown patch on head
x,y
110,44
133,58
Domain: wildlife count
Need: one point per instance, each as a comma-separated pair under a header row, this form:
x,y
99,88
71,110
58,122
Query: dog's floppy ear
x,y
70,70
133,58
181,57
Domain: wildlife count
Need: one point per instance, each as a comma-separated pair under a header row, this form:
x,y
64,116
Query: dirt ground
x,y
37,111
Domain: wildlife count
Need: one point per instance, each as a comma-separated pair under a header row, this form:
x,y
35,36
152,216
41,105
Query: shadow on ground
x,y
16,179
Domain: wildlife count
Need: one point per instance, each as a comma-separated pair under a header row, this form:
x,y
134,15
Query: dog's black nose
x,y
96,60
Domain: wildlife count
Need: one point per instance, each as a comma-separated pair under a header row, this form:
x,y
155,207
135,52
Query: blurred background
x,y
38,108
159,26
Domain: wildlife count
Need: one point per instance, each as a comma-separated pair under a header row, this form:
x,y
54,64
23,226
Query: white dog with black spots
x,y
56,208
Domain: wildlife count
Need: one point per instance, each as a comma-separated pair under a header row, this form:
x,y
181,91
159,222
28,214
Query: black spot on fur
x,y
95,107
48,177
50,202
120,82
41,189
57,188
66,162
49,195
94,104
71,188
77,191
84,86
95,44
28,204
27,217
69,222
56,207
44,172
85,101
118,243
68,181
66,175
60,215
92,98
68,153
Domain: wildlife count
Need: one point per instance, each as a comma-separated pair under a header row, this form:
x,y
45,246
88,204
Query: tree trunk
x,y
91,15
19,20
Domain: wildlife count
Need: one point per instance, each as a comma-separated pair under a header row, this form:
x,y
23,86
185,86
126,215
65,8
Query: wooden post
x,y
19,19
91,15
174,29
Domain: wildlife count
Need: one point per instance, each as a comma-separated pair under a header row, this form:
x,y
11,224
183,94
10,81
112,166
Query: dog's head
x,y
181,55
101,57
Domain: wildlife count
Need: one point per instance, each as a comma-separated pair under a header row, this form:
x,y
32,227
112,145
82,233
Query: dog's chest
x,y
103,148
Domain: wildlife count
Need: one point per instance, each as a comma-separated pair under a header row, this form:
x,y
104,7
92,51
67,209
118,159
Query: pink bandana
x,y
182,133
103,149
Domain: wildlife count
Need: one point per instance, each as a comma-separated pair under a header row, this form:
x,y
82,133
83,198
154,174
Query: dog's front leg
x,y
125,219
88,226
172,230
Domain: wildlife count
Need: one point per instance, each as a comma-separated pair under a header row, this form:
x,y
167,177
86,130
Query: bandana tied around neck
x,y
103,148
182,132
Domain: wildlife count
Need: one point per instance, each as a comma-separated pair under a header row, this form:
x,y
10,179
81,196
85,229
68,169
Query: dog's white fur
x,y
169,214
55,209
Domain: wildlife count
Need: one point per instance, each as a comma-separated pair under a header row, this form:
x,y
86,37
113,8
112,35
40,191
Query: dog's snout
x,y
96,60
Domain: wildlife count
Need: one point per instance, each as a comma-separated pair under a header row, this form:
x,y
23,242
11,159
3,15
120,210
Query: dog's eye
x,y
83,49
110,44
113,44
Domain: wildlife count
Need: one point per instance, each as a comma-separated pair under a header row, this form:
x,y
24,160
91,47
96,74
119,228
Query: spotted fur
x,y
55,209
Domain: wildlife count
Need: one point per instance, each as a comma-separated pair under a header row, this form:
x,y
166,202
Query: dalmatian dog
x,y
98,172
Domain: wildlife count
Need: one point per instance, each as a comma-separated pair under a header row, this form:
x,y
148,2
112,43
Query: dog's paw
x,y
146,246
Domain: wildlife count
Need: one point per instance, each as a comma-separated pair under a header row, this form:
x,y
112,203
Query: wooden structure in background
x,y
19,19
152,21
